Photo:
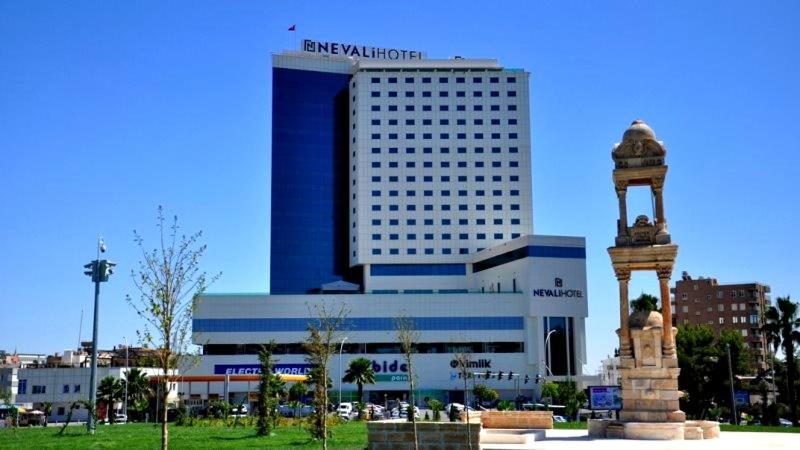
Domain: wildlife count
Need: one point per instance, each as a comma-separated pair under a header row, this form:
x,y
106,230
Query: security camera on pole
x,y
99,270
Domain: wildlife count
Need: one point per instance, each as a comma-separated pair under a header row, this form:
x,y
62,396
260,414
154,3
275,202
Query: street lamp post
x,y
549,356
126,376
99,270
341,346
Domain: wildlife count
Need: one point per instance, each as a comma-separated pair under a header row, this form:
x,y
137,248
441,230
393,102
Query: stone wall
x,y
399,434
542,420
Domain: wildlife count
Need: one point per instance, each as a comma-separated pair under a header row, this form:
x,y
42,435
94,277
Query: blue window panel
x,y
536,251
494,79
498,235
446,236
514,178
417,269
428,207
408,107
426,93
514,235
394,222
392,93
446,251
515,207
428,251
394,251
394,237
392,150
376,222
460,80
512,107
376,207
497,221
411,236
376,193
426,80
512,135
409,80
429,236
427,108
309,232
411,251
376,251
444,108
511,80
513,164
515,222
375,94
445,207
512,93
463,236
497,207
375,80
480,208
376,122
393,179
495,108
463,251
461,135
514,192
393,80
376,237
409,93
375,107
376,136
463,221
300,324
494,94
394,208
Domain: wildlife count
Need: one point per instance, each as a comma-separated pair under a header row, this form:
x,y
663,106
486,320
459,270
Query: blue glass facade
x,y
309,181
534,251
358,324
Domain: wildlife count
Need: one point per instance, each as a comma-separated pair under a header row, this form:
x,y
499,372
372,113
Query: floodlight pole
x,y
95,267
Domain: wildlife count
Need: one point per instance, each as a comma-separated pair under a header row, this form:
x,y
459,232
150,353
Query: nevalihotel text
x,y
359,51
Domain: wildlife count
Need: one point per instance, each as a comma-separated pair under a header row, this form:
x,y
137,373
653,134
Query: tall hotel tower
x,y
401,185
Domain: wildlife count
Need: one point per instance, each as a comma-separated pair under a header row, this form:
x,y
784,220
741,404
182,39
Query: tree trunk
x,y
164,428
790,377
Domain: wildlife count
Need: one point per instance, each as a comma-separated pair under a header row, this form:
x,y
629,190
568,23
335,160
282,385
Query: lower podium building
x,y
517,308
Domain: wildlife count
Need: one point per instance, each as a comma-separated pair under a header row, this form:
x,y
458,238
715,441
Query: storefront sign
x,y
359,51
390,377
255,369
477,364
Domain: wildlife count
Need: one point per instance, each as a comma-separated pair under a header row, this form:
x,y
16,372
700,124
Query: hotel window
x,y
409,107
376,237
497,221
394,251
427,108
443,93
460,79
428,251
445,251
495,108
461,94
463,235
512,93
409,93
514,207
515,222
411,251
494,93
376,251
393,80
511,80
411,236
512,135
409,121
512,107
480,221
498,235
376,108
461,108
428,236
427,122
477,122
392,107
375,93
444,108
392,93
461,135
494,79
376,122
426,93
477,94
477,80
375,80
512,121
65,389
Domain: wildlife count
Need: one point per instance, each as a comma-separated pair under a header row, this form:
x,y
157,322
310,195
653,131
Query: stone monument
x,y
648,360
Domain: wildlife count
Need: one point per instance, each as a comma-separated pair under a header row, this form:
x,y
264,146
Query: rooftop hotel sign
x,y
359,51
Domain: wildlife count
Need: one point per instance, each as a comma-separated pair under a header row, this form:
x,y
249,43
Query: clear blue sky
x,y
108,109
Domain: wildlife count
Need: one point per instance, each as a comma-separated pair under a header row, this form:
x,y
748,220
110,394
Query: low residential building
x,y
61,387
609,371
734,306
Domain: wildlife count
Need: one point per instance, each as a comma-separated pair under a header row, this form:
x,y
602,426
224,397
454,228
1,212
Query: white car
x,y
345,410
560,419
237,412
785,422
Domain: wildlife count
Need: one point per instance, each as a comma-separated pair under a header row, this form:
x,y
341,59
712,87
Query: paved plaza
x,y
578,439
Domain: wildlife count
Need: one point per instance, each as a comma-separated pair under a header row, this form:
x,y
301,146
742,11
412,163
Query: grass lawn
x,y
351,435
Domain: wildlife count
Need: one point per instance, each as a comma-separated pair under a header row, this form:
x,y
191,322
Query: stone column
x,y
658,193
667,340
623,277
622,189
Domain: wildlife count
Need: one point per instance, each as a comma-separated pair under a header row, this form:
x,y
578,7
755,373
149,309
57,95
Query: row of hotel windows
x,y
442,164
394,136
443,150
446,193
443,178
426,94
393,108
721,294
495,207
412,222
372,348
458,80
430,251
441,122
429,236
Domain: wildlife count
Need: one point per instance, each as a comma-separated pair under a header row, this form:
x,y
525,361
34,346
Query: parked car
x,y
560,419
785,422
345,410
32,418
239,411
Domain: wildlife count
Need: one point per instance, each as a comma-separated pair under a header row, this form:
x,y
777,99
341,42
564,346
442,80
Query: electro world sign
x,y
255,369
359,51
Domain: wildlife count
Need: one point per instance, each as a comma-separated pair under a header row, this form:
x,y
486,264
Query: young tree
x,y
360,372
408,337
269,388
463,361
782,328
323,336
170,283
296,393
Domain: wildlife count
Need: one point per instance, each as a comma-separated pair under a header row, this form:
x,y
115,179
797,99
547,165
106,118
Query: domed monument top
x,y
639,147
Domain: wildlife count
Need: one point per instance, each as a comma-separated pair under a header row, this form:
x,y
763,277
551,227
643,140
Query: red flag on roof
x,y
293,27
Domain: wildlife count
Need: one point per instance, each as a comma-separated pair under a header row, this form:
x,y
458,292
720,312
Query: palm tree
x,y
782,328
138,389
110,391
359,371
